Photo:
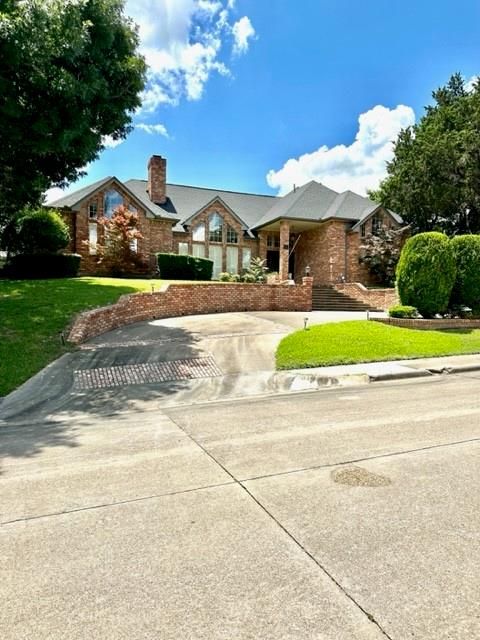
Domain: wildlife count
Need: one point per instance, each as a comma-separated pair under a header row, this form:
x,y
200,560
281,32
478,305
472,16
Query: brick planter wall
x,y
186,300
447,323
375,298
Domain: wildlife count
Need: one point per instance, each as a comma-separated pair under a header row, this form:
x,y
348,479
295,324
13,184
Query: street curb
x,y
460,368
403,375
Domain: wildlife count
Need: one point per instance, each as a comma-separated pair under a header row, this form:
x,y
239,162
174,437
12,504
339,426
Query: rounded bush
x,y
40,265
426,273
466,290
40,231
402,311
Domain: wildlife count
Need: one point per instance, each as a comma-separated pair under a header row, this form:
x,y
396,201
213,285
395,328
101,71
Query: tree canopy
x,y
70,75
433,180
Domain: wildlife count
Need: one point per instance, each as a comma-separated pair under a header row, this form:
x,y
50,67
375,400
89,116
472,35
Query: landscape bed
x,y
365,341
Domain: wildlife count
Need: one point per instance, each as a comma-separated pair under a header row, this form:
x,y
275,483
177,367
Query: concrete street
x,y
351,513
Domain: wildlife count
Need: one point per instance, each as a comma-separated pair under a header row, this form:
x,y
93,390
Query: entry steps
x,y
326,298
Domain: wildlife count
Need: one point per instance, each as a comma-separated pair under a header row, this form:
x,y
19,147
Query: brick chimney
x,y
157,179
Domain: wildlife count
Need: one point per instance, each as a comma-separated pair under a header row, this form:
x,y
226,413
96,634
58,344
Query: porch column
x,y
284,249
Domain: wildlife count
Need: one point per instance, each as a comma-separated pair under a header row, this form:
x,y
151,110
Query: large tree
x,y
70,74
433,180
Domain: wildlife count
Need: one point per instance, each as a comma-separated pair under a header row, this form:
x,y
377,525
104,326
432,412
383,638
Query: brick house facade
x,y
312,229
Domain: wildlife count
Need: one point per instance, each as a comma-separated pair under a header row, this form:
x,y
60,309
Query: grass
x,y
363,341
33,314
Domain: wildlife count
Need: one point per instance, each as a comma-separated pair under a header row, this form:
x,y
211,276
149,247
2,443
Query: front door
x,y
273,261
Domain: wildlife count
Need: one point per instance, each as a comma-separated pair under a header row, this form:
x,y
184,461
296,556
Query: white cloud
x,y
109,143
183,42
243,31
470,84
152,129
359,166
55,193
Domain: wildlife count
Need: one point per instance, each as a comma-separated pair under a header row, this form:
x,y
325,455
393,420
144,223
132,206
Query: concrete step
x,y
325,298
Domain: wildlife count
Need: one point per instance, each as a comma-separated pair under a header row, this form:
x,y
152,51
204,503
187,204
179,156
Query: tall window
x,y
363,230
273,241
232,235
92,209
198,250
92,238
376,224
198,233
246,257
215,253
215,224
113,200
232,259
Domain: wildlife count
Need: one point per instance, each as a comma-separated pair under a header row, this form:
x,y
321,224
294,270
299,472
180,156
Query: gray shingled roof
x,y
313,201
184,202
309,202
72,199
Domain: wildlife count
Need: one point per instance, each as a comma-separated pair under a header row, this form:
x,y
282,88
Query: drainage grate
x,y
129,374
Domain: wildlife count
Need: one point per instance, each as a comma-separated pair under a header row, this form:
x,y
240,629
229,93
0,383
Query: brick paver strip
x,y
129,374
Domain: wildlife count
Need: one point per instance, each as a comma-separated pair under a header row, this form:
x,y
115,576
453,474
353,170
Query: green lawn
x,y
33,314
363,341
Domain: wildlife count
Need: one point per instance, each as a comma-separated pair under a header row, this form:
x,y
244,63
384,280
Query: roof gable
x,y
74,200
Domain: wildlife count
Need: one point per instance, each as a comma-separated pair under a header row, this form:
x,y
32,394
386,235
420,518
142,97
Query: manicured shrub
x,y
37,231
181,267
229,277
426,273
402,311
466,290
257,271
42,265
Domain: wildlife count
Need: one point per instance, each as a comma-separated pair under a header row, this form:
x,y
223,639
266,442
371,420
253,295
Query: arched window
x,y
215,224
112,201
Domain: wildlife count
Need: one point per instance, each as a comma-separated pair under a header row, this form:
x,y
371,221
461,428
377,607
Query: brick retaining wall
x,y
185,300
420,323
375,298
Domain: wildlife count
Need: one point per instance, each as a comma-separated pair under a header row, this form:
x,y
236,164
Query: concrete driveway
x,y
342,515
215,357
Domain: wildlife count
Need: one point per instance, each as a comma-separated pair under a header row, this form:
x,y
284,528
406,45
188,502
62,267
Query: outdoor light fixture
x,y
307,271
305,322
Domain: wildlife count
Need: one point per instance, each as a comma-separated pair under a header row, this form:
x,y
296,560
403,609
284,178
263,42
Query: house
x,y
312,226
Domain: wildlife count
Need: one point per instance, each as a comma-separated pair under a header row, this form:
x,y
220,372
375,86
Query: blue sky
x,y
256,95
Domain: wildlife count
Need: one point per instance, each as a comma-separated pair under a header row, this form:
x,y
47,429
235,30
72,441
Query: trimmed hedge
x,y
402,311
466,290
39,266
181,267
426,273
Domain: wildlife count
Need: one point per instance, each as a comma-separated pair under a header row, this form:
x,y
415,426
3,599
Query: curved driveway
x,y
214,357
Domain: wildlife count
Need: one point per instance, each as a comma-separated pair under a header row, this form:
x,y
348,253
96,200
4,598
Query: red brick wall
x,y
183,300
356,272
376,298
157,179
447,323
157,234
323,250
